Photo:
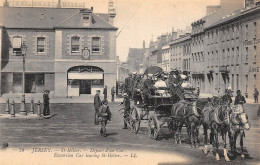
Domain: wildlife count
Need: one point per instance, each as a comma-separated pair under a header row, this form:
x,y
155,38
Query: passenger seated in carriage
x,y
160,86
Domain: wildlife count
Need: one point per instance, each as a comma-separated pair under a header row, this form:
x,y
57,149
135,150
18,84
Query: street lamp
x,y
23,109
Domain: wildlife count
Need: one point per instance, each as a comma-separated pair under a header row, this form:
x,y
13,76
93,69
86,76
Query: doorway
x,y
85,87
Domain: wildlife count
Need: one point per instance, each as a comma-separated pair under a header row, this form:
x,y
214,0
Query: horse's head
x,y
243,119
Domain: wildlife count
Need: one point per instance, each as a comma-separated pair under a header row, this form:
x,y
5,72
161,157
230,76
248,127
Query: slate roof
x,y
48,18
235,15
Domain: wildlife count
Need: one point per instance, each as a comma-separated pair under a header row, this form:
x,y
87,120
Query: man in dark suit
x,y
97,103
105,93
112,94
239,98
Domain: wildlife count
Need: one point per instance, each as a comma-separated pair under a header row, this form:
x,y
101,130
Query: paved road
x,y
72,126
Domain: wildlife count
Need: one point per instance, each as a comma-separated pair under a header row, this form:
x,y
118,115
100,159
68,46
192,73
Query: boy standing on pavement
x,y
104,114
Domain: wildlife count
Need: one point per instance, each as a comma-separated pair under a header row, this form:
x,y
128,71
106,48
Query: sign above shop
x,y
253,69
252,42
86,53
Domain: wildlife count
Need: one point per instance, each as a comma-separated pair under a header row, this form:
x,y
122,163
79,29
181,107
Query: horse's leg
x,y
180,124
241,144
197,136
192,134
216,142
205,128
224,136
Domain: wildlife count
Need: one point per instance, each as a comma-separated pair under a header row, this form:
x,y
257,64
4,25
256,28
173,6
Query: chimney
x,y
111,12
6,4
143,44
211,9
58,5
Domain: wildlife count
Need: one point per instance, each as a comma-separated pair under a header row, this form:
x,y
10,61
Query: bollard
x,y
32,108
7,109
39,109
13,110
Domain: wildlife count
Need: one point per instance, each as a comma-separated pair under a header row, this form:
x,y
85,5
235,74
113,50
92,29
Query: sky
x,y
144,20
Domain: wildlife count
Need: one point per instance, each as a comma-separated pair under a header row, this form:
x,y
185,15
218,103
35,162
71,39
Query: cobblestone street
x,y
72,126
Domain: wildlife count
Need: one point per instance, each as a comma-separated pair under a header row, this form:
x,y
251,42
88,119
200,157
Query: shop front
x,y
84,80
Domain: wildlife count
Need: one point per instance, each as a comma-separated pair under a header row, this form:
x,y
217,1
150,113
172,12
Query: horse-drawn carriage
x,y
157,109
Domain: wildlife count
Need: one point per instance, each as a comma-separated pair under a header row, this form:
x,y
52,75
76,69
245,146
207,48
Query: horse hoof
x,y
196,146
179,142
227,159
217,157
205,152
243,157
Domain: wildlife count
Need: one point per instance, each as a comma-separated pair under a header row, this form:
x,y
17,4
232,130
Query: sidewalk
x,y
53,99
205,95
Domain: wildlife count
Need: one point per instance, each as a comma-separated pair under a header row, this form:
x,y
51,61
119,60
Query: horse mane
x,y
200,103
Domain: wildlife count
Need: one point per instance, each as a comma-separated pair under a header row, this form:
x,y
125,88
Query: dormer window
x,y
85,19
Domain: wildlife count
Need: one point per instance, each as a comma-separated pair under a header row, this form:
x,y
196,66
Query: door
x,y
85,87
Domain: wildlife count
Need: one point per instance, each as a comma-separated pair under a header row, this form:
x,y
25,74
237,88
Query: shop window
x,y
96,44
246,31
17,42
40,44
75,44
246,55
97,82
254,53
17,79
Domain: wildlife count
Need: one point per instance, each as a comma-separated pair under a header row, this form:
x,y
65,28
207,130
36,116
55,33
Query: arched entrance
x,y
85,80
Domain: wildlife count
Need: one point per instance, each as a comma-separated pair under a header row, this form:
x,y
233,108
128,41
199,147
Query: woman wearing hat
x,y
104,114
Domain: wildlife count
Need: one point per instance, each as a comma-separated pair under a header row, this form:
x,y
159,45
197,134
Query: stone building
x,y
166,57
180,50
70,51
213,50
232,52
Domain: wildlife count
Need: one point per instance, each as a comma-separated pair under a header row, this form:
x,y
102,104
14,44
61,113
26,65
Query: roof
x,y
136,53
235,15
48,18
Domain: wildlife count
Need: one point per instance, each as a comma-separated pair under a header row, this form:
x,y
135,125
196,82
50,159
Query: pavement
x,y
71,127
80,99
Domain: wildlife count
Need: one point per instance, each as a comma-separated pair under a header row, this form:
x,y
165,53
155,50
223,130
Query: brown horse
x,y
190,114
238,123
216,118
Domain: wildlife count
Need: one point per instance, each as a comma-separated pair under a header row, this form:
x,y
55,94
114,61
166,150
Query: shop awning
x,y
85,76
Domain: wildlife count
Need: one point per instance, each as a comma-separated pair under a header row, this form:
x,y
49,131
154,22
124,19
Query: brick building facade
x,y
69,51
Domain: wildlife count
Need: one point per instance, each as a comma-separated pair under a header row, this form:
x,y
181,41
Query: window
x,y
246,54
95,44
85,19
17,42
75,44
17,79
40,44
246,31
39,78
255,29
255,53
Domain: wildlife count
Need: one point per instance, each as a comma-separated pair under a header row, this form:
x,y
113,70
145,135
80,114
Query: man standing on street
x,y
105,93
112,94
239,98
97,103
256,93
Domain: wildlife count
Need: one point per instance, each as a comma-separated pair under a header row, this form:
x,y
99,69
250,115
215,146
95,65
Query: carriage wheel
x,y
153,127
135,119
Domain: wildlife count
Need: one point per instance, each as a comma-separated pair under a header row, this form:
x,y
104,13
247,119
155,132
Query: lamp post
x,y
23,109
